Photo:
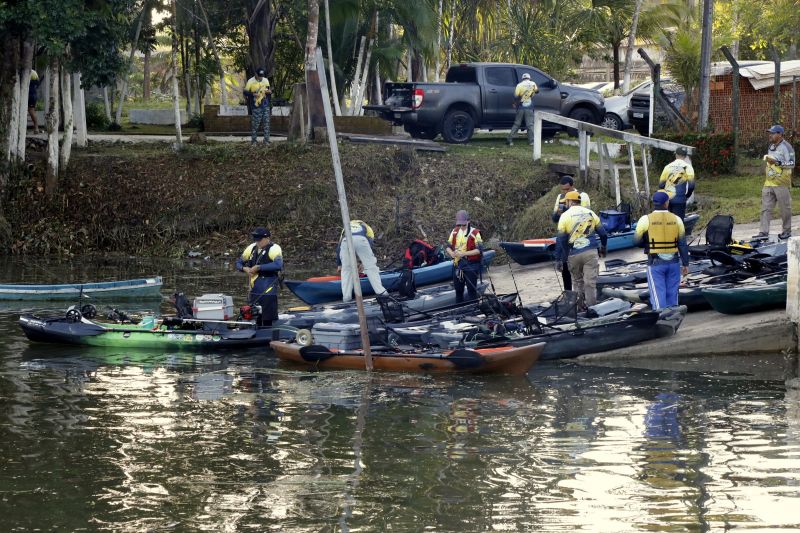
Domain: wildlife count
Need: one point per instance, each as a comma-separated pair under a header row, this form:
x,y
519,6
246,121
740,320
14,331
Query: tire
x,y
458,127
584,115
612,121
418,132
304,337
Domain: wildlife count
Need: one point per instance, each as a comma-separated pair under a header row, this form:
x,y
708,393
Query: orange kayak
x,y
495,360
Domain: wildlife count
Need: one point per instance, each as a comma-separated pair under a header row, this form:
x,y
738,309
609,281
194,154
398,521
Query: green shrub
x,y
713,153
196,122
96,118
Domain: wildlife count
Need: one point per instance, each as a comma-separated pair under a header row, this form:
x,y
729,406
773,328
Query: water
x,y
102,440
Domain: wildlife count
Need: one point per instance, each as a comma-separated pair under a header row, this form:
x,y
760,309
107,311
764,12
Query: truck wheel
x,y
458,127
421,133
584,115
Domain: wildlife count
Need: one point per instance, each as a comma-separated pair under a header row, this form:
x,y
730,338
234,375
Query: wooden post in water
x,y
793,307
337,170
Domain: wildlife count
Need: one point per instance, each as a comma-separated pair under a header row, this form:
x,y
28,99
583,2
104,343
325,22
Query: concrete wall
x,y
213,123
154,116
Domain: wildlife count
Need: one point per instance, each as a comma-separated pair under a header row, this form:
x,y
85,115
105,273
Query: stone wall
x,y
213,123
755,108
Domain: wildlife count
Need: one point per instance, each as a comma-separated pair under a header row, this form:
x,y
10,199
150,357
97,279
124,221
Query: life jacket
x,y
472,243
419,253
253,256
662,233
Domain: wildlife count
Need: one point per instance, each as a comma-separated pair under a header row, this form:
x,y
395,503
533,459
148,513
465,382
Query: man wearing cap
x,y
258,90
523,101
664,239
677,179
262,261
581,237
567,184
465,246
779,164
363,239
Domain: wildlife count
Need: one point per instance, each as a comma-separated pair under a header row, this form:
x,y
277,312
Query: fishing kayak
x,y
325,289
532,251
139,289
149,334
495,360
747,298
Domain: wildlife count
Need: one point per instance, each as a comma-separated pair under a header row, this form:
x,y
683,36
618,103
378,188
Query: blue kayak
x,y
537,250
329,288
144,288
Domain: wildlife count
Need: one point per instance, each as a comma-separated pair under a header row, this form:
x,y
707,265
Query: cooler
x,y
339,336
213,307
614,220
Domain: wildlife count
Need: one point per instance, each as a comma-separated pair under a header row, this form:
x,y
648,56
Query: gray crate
x,y
339,336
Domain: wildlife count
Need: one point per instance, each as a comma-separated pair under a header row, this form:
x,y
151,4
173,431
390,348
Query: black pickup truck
x,y
481,95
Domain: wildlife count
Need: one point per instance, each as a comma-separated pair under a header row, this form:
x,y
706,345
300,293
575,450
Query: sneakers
x,y
785,235
761,235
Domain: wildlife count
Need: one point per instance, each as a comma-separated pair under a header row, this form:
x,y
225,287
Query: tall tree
x,y
316,110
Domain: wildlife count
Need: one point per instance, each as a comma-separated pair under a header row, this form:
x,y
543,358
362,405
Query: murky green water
x,y
99,440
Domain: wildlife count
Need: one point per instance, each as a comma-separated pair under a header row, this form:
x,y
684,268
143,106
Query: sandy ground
x,y
704,333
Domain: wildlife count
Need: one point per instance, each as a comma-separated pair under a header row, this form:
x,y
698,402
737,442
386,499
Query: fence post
x,y
601,147
633,169
734,104
583,149
646,172
537,136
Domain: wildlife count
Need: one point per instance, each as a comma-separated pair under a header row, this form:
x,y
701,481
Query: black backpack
x,y
406,287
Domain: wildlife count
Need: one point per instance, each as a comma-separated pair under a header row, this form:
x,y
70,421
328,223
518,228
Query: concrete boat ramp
x,y
702,334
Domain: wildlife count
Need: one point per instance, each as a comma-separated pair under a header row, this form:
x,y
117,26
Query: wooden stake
x,y
337,170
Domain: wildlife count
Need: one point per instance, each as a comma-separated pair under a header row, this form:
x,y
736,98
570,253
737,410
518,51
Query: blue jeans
x,y
663,281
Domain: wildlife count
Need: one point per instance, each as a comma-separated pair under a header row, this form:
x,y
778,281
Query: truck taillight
x,y
419,94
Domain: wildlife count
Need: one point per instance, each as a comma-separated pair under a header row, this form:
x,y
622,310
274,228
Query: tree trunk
x,y
197,85
378,88
79,108
187,82
316,110
332,77
450,37
176,106
51,177
438,50
626,84
9,68
223,88
146,76
69,120
362,86
260,25
26,65
16,116
357,77
123,92
615,47
106,103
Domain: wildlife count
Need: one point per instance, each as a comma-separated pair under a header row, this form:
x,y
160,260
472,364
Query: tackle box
x,y
339,336
213,307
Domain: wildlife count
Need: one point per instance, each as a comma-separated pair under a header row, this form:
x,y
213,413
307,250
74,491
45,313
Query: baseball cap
x,y
567,180
680,150
526,76
660,198
777,128
260,233
573,195
462,217
260,71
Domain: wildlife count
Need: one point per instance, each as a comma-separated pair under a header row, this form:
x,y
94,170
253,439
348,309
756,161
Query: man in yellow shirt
x,y
258,90
779,164
465,246
262,261
523,101
581,238
677,180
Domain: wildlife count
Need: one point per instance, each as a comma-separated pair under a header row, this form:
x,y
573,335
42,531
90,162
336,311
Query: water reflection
x,y
125,441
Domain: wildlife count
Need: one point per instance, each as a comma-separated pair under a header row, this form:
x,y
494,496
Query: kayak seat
x,y
718,236
182,306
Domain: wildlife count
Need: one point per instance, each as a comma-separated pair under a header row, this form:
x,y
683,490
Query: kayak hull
x,y
139,289
736,300
497,360
325,290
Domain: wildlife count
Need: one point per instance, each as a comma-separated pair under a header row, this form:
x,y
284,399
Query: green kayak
x,y
738,299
